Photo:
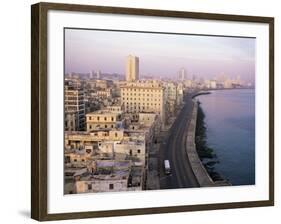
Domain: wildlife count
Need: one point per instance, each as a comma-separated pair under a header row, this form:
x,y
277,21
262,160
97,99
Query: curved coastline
x,y
203,177
207,154
198,150
198,168
230,130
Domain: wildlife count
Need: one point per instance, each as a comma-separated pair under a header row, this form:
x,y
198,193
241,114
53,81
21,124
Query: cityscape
x,y
133,130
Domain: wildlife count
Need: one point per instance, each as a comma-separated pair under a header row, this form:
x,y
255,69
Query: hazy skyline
x,y
159,54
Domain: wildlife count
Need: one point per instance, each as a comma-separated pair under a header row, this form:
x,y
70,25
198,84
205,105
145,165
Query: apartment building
x,y
101,119
132,68
143,96
74,107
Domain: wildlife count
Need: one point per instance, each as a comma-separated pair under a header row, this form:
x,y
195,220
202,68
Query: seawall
x,y
198,168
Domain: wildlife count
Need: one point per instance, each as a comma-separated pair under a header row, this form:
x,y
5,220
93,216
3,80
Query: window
x,y
139,151
89,186
112,118
111,186
98,118
105,118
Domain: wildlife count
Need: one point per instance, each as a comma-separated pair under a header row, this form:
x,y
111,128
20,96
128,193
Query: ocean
x,y
230,132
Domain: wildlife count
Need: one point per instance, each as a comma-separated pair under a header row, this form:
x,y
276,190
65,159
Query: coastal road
x,y
173,149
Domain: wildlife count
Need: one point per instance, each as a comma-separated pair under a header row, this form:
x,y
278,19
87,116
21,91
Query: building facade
x,y
103,119
74,108
132,68
143,96
182,74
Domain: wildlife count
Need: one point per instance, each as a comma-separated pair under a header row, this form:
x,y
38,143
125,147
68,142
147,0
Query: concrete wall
x,y
198,168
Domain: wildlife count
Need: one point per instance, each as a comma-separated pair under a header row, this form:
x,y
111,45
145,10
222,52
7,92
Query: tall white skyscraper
x,y
182,74
92,74
132,68
98,74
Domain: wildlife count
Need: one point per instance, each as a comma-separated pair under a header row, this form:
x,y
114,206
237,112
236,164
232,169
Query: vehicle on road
x,y
167,167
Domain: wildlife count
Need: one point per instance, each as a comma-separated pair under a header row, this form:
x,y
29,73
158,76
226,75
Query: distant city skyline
x,y
160,55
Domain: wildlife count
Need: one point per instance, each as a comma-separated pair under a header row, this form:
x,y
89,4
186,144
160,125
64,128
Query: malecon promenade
x,y
180,148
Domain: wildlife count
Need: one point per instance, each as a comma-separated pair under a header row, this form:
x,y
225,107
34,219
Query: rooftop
x,y
130,142
103,112
109,170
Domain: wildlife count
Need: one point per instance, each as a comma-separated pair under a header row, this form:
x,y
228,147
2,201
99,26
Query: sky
x,y
160,55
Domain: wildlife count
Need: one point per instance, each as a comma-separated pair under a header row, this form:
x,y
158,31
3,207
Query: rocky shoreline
x,y
207,155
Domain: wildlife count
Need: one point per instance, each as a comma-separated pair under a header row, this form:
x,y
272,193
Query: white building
x,y
182,74
213,84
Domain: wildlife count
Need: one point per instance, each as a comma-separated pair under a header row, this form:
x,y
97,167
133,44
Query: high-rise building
x,y
238,80
171,93
98,74
92,74
74,108
179,94
132,68
182,74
